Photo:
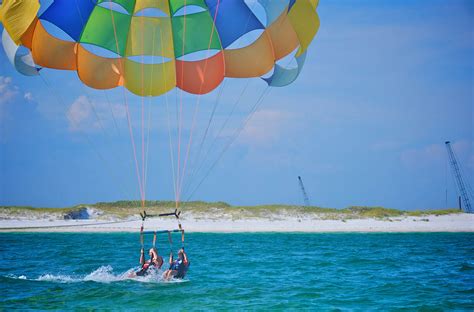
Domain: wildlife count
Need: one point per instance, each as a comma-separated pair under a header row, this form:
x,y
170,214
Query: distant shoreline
x,y
220,217
431,223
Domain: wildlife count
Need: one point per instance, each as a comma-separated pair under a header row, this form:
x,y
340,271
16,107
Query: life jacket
x,y
180,266
147,265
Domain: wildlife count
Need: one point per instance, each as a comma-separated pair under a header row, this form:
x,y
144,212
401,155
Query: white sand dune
x,y
431,223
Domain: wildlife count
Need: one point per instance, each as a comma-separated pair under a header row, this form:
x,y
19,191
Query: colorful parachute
x,y
290,24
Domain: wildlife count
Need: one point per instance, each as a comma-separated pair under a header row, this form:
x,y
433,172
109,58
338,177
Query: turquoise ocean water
x,y
338,272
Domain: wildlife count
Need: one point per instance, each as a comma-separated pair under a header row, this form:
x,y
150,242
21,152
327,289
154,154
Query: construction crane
x,y
462,184
305,196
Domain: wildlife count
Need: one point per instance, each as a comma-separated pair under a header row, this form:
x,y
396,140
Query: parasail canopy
x,y
177,29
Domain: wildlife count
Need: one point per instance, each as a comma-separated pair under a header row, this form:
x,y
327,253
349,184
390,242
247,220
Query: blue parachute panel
x,y
234,19
283,76
292,2
273,9
69,15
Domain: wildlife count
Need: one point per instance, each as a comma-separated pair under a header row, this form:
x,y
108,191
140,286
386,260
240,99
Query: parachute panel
x,y
176,5
176,37
69,15
96,71
128,5
305,22
196,33
283,37
150,36
284,76
23,62
27,37
17,16
49,51
234,19
273,9
107,29
162,5
253,60
149,79
200,77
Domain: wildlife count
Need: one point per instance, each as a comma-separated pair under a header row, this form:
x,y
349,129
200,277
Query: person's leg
x,y
172,274
169,274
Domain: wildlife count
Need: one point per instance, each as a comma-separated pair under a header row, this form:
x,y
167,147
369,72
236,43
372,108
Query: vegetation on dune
x,y
215,210
440,212
372,212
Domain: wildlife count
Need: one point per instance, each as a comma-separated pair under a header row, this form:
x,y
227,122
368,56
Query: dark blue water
x,y
401,272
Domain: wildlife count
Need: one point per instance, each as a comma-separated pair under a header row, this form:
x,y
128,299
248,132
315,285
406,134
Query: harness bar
x,y
176,213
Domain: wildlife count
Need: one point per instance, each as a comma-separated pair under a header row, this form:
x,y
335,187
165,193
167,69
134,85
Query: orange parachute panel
x,y
97,72
283,36
200,77
51,52
27,38
251,61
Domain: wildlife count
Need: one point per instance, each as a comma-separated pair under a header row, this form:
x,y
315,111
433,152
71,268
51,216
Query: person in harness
x,y
179,267
156,261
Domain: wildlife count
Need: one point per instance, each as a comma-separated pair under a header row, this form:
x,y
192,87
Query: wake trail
x,y
103,274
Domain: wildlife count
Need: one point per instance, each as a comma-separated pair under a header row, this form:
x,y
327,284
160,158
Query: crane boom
x,y
461,183
305,196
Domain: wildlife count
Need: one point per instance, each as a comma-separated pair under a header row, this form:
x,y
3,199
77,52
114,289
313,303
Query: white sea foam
x,y
104,274
58,278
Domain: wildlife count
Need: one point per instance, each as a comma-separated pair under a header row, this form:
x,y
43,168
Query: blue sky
x,y
384,85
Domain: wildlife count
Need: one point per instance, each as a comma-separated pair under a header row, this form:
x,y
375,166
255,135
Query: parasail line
x,y
83,87
205,157
236,135
181,109
94,110
168,120
149,116
143,133
128,112
147,149
215,106
198,100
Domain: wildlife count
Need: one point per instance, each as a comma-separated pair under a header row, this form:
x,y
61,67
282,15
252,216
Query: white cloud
x,y
28,96
78,113
8,92
265,127
85,114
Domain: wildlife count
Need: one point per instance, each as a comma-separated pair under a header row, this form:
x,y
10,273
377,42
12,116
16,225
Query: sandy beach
x,y
431,223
